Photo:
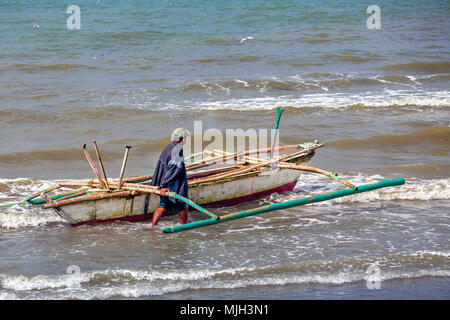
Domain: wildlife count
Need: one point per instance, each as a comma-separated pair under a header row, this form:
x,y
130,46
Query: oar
x,y
279,112
101,164
94,168
124,163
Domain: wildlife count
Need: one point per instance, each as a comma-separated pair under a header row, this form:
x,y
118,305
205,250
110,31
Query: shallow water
x,y
378,99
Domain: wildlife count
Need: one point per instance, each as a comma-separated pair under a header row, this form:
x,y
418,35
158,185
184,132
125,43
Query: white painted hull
x,y
135,208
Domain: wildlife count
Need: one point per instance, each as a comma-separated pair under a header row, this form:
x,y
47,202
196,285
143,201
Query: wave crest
x,y
103,284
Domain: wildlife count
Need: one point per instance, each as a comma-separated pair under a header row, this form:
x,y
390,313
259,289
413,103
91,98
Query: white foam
x,y
398,98
150,284
24,216
39,282
143,289
8,296
324,99
103,284
413,274
433,253
252,228
413,189
27,186
438,189
308,222
27,219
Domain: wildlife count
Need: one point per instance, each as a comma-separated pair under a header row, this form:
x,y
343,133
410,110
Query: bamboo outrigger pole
x,y
285,205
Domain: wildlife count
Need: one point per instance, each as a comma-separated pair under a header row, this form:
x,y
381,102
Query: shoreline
x,y
424,288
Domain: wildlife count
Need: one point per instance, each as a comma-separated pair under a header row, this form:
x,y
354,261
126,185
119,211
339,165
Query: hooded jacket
x,y
170,172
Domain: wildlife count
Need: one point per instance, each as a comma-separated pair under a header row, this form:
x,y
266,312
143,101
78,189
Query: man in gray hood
x,y
170,175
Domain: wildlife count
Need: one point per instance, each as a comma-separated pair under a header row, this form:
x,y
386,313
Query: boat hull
x,y
141,207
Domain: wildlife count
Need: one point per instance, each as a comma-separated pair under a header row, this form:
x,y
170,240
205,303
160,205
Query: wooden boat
x,y
96,205
249,177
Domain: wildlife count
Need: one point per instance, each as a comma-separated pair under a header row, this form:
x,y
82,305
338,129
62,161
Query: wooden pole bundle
x,y
128,187
262,163
74,195
294,166
114,187
223,158
52,204
112,184
131,189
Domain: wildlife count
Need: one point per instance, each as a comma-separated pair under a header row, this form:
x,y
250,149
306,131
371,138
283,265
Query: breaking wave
x,y
329,92
15,219
327,101
104,284
15,190
413,189
308,82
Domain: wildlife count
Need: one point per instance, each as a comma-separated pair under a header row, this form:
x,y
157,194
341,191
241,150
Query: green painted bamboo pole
x,y
192,204
9,205
285,205
279,112
39,200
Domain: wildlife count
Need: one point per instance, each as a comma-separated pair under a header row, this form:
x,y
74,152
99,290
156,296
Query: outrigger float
x,y
250,177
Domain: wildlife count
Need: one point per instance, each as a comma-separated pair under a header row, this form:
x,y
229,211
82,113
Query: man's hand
x,y
163,191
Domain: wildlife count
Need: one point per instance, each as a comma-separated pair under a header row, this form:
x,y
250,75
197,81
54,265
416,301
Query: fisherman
x,y
170,175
